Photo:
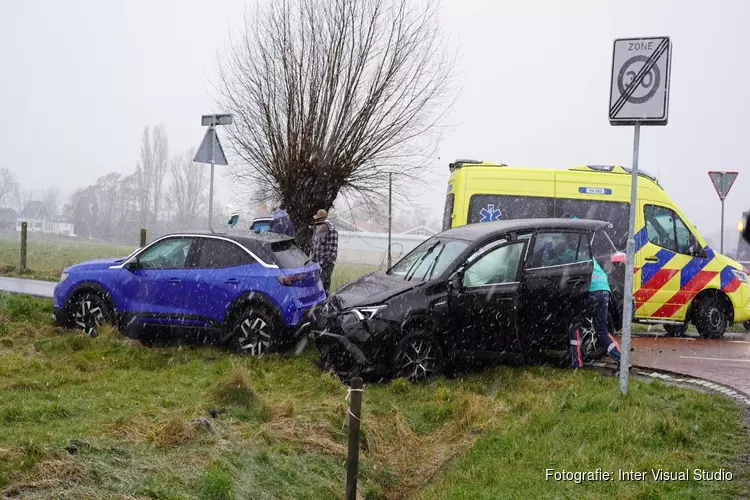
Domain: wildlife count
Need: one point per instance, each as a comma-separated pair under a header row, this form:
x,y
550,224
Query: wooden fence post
x,y
24,235
143,237
352,461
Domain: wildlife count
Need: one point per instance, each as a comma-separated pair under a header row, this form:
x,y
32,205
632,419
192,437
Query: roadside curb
x,y
676,378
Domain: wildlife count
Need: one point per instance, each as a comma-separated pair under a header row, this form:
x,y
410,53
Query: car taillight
x,y
618,258
291,280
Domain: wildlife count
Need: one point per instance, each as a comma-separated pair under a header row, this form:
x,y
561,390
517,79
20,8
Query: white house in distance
x,y
38,220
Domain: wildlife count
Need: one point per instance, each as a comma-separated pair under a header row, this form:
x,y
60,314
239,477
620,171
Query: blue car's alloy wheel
x,y
254,333
89,312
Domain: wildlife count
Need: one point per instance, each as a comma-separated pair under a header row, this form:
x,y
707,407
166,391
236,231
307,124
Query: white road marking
x,y
739,341
715,359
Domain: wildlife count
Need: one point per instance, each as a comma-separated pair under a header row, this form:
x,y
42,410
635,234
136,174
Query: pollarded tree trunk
x,y
330,96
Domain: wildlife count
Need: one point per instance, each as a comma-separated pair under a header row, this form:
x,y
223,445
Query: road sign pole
x,y
627,305
722,227
211,184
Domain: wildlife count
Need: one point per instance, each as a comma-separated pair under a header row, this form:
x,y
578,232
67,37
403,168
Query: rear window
x,y
288,255
261,226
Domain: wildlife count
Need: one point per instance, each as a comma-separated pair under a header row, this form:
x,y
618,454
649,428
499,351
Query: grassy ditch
x,y
110,418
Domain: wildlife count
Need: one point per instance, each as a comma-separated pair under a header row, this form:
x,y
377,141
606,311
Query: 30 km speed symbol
x,y
649,85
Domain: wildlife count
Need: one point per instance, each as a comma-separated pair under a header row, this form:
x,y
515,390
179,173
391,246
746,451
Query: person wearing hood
x,y
281,223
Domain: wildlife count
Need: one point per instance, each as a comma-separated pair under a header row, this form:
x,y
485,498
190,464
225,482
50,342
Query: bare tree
x,y
51,200
187,194
145,174
160,165
8,186
329,96
22,197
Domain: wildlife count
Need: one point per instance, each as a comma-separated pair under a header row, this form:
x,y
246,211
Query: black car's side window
x,y
171,253
560,248
499,265
220,253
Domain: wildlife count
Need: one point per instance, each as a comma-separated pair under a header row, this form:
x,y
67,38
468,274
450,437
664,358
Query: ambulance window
x,y
615,212
664,228
447,212
683,236
488,207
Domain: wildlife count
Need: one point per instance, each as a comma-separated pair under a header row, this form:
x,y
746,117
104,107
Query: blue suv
x,y
248,289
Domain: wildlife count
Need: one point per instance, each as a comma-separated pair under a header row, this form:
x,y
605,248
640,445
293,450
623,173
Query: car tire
x,y
88,311
255,332
676,330
746,325
418,358
711,318
591,348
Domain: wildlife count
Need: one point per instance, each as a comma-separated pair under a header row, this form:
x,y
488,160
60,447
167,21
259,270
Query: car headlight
x,y
740,275
63,276
369,312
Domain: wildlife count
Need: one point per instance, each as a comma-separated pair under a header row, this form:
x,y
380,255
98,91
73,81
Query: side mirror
x,y
131,266
746,229
455,281
695,248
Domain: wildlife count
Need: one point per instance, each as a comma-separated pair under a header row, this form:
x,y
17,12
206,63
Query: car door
x,y
669,263
215,280
556,278
483,304
151,284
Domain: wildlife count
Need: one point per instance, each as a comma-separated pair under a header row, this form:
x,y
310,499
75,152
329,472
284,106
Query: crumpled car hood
x,y
370,289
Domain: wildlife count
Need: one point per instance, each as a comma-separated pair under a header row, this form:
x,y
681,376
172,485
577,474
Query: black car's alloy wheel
x,y
89,311
592,348
418,358
254,333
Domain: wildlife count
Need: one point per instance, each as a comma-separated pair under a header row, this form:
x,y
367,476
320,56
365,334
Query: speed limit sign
x,y
639,90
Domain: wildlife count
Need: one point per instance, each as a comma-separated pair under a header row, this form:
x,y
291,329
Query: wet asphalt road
x,y
725,361
27,287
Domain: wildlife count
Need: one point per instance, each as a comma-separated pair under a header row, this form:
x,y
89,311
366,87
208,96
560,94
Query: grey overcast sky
x,y
81,78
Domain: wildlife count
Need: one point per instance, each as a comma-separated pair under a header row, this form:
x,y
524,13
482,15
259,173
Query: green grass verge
x,y
106,417
45,260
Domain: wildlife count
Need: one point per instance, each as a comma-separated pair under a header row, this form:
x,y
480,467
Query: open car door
x,y
554,285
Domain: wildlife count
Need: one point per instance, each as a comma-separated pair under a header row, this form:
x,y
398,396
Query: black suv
x,y
491,291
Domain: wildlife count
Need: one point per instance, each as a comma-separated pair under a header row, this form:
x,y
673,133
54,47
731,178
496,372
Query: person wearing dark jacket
x,y
325,246
281,223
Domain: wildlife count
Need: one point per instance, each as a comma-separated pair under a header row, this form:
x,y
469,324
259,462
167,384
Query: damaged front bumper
x,y
343,357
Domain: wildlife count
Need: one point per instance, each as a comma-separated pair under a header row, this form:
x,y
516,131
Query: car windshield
x,y
429,259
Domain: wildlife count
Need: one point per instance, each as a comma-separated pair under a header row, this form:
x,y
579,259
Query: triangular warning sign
x,y
211,149
723,182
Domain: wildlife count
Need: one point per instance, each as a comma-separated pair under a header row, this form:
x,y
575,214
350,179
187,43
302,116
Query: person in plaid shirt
x,y
325,246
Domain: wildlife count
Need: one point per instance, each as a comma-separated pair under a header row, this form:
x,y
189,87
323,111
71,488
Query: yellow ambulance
x,y
678,279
